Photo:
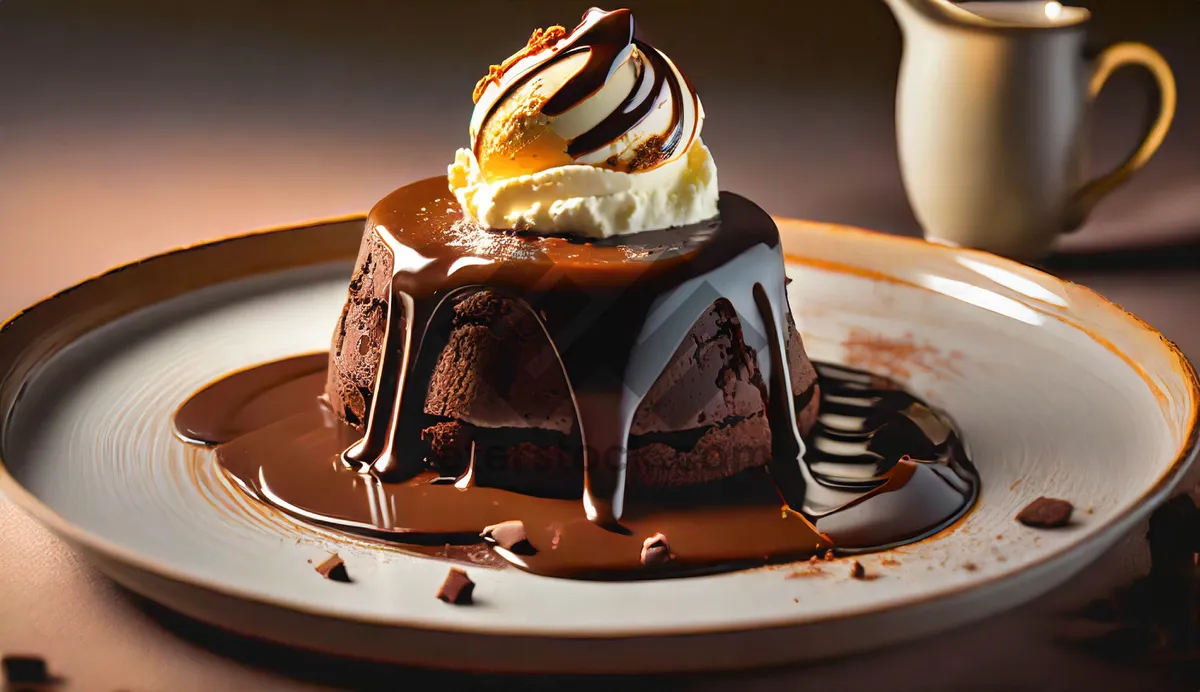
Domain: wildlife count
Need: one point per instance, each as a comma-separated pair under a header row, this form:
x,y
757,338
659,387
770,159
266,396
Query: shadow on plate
x,y
323,669
1148,631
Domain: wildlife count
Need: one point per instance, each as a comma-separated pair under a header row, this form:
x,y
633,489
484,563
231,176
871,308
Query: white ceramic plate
x,y
1057,392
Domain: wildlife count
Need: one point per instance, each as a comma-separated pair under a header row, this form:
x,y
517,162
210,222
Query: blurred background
x,y
130,127
133,126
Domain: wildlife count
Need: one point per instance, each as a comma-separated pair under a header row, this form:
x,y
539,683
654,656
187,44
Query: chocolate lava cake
x,y
497,384
573,315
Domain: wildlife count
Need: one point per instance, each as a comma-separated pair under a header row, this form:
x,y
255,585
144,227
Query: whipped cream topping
x,y
591,132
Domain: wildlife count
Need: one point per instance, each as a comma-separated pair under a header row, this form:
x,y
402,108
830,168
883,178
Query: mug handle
x,y
1116,56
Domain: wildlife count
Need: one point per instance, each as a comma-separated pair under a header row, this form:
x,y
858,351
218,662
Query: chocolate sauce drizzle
x,y
882,468
608,39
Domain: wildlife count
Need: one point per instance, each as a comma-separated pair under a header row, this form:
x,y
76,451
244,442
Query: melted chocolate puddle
x,y
899,462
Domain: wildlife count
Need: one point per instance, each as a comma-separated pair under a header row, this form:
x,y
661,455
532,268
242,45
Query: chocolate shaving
x,y
656,552
509,535
857,571
333,568
1046,513
457,589
25,670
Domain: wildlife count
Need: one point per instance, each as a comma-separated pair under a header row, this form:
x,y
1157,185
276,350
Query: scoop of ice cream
x,y
592,132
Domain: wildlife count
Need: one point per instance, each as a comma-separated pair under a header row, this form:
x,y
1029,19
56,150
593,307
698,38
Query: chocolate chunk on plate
x,y
656,552
510,535
457,589
1046,513
333,568
24,669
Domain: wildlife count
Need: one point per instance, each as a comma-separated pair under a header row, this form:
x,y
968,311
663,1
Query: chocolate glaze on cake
x,y
614,314
497,383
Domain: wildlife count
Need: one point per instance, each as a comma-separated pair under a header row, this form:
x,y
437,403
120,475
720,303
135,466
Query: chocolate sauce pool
x,y
900,462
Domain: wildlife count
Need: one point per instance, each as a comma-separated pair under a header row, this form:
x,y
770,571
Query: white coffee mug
x,y
991,114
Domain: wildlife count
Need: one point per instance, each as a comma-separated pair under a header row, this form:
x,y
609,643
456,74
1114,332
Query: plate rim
x,y
1152,496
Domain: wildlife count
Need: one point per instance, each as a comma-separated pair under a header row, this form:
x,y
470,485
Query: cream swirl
x,y
578,132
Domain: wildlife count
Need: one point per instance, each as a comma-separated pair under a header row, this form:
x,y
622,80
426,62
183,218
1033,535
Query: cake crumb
x,y
857,571
1046,513
333,568
25,669
458,589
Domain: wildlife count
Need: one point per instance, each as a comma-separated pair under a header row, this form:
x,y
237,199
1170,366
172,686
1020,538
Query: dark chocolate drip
x,y
396,341
787,449
407,367
608,41
605,40
630,112
290,462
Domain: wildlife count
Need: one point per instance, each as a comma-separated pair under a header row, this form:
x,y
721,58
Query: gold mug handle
x,y
1116,56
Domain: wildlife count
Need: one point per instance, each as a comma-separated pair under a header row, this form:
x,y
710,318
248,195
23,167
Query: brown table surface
x,y
131,127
